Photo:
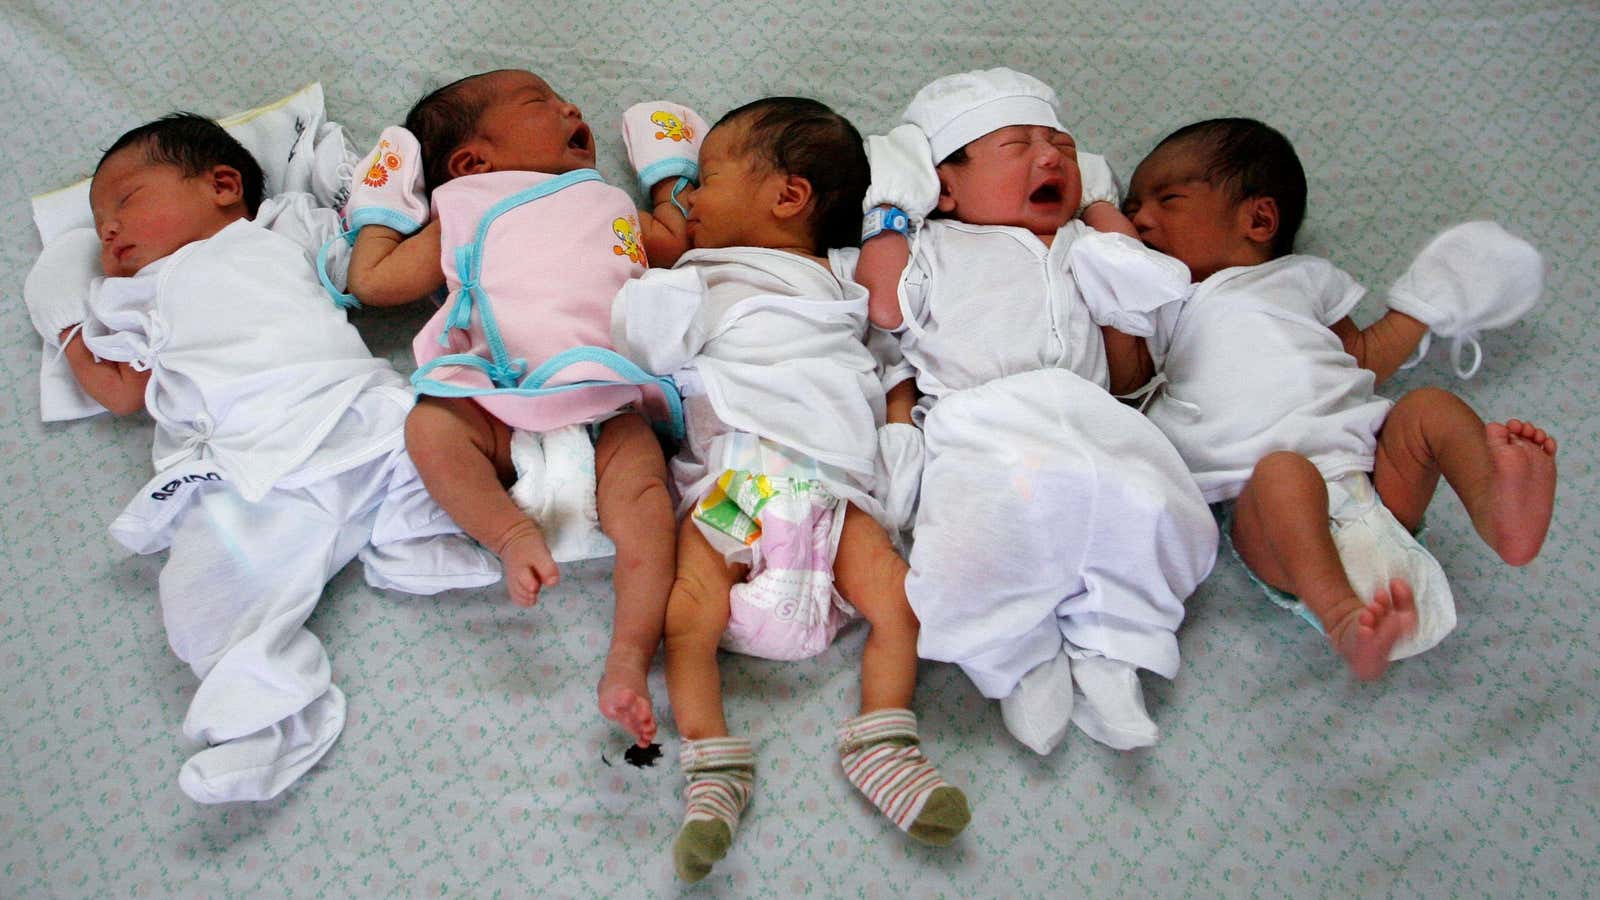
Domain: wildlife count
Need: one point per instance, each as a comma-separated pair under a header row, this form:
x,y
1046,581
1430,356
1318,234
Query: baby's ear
x,y
1261,222
466,160
227,185
794,197
947,200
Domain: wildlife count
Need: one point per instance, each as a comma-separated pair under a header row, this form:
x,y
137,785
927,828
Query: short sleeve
x,y
656,319
1337,293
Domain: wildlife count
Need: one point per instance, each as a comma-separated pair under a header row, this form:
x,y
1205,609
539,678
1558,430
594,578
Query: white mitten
x,y
899,476
1124,282
387,189
663,141
57,288
1098,182
902,173
1470,278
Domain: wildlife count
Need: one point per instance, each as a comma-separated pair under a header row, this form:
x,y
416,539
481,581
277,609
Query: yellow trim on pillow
x,y
238,118
242,117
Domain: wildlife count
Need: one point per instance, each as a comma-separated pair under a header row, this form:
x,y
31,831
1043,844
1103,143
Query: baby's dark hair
x,y
800,136
1251,159
443,121
194,144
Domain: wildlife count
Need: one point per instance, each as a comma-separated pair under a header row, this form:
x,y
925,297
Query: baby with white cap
x,y
1058,532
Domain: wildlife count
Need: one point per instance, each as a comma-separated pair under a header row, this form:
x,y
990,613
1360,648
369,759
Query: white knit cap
x,y
955,110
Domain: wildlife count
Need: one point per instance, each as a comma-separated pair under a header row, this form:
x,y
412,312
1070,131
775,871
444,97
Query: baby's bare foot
x,y
625,699
1365,635
528,563
1524,492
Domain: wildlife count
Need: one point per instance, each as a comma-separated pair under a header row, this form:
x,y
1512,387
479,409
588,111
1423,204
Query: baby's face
x,y
1022,175
1180,213
144,211
733,187
527,127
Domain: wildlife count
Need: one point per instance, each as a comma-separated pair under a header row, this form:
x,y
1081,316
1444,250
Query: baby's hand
x,y
528,563
57,289
663,141
1099,185
388,186
903,174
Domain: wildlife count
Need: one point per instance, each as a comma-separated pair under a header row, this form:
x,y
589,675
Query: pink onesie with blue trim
x,y
549,268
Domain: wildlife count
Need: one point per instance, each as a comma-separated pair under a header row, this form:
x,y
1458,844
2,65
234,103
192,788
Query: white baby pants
x,y
1051,512
240,582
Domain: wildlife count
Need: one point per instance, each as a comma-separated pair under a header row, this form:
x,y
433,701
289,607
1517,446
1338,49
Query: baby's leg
x,y
1504,474
241,580
636,513
879,748
697,614
720,769
1280,529
464,457
872,576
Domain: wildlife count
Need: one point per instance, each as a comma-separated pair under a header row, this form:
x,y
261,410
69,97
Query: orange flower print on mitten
x,y
383,163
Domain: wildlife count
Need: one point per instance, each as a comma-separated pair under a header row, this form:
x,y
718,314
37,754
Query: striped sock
x,y
722,774
880,757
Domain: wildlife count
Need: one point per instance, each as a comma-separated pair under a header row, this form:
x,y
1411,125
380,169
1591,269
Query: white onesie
x,y
279,457
767,348
1252,368
1048,510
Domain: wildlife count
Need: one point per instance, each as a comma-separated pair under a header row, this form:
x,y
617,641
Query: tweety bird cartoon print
x,y
672,127
627,231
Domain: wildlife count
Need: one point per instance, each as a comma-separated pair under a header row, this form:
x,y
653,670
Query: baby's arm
x,y
883,259
1099,207
1470,278
663,142
389,269
1127,357
1129,361
57,294
1125,284
1383,345
115,385
903,177
1102,215
666,231
899,400
396,255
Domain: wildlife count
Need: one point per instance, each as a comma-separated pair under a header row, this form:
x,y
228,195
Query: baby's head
x,y
1002,156
505,120
1219,193
784,172
167,183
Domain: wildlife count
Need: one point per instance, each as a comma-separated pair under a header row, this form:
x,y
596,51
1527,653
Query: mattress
x,y
474,761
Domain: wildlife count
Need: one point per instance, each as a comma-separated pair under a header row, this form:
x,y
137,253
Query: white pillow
x,y
298,149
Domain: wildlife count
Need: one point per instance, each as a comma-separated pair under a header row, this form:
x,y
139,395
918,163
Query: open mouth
x,y
581,140
1048,194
